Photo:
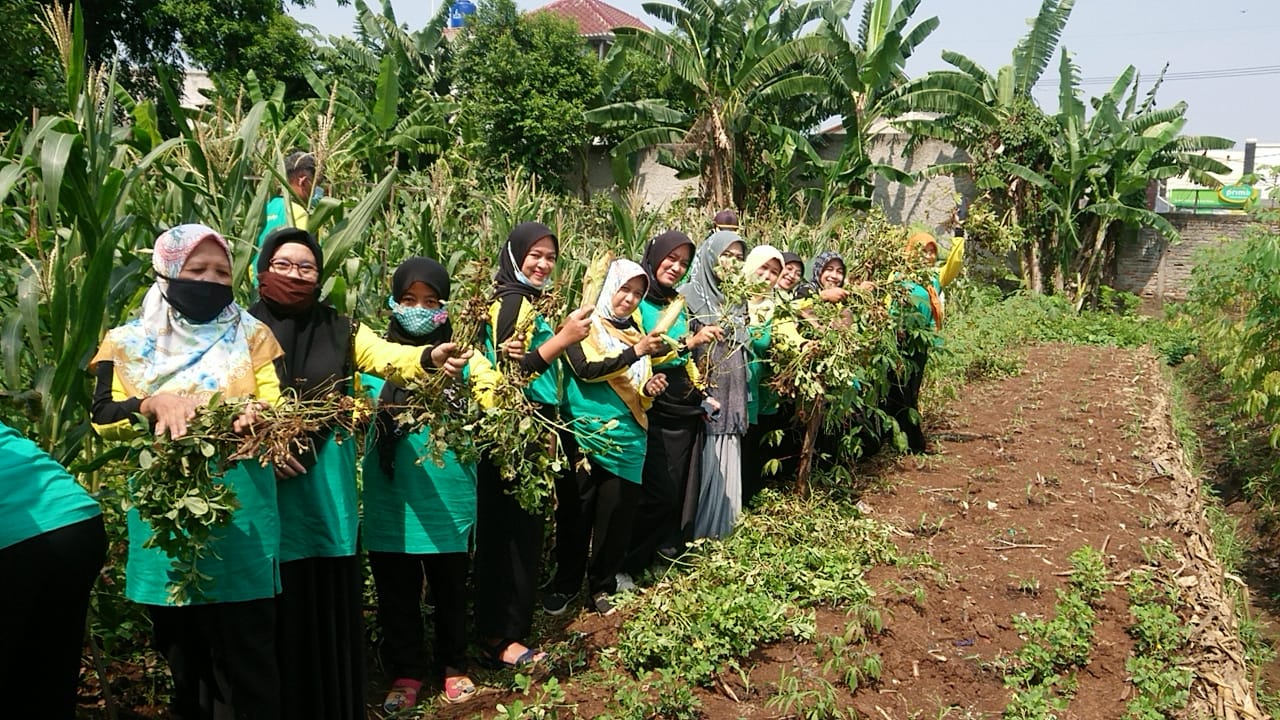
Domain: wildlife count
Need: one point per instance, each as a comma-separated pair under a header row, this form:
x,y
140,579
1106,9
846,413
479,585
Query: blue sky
x,y
1193,36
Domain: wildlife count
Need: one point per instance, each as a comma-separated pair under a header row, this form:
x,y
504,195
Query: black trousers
x,y
758,450
398,578
320,639
45,597
902,401
505,566
593,531
671,464
223,659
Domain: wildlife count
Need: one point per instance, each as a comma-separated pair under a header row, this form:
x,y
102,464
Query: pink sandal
x,y
403,694
457,689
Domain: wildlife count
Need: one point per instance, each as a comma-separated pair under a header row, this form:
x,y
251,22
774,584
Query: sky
x,y
1240,39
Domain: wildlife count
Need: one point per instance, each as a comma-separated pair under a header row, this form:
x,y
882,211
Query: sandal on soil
x,y
403,694
492,657
457,689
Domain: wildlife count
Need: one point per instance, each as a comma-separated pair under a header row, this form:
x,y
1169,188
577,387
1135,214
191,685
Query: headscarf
x,y
611,335
917,242
702,291
760,307
790,257
509,280
393,397
814,285
433,275
654,253
316,339
162,351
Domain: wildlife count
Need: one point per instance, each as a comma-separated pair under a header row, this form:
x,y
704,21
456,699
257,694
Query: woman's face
x,y
790,276
626,298
732,256
295,260
673,266
419,294
769,271
207,262
539,262
832,275
929,254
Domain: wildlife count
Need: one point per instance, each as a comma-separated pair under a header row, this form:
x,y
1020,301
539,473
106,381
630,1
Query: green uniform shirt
x,y
546,387
649,313
319,515
425,509
621,449
36,494
761,400
244,558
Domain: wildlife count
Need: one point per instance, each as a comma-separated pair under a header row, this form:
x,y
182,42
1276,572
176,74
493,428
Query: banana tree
x,y
1102,166
994,119
736,66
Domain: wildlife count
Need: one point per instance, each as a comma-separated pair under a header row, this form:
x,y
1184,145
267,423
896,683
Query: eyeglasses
x,y
306,270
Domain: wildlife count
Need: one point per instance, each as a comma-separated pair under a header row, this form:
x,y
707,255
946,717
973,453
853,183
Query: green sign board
x,y
1238,194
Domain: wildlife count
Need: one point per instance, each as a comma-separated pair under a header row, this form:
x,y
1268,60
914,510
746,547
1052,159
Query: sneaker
x,y
600,603
624,582
555,603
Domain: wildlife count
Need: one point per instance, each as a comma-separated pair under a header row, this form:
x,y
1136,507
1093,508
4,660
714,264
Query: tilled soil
x,y
1076,450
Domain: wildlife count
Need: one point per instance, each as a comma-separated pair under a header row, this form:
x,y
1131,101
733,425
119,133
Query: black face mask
x,y
198,300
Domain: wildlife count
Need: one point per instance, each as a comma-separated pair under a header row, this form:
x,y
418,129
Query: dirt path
x,y
1077,450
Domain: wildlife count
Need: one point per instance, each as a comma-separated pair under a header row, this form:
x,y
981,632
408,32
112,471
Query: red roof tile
x,y
593,17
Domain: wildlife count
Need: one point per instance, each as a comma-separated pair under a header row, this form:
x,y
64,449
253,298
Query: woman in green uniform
x,y
518,339
608,396
320,625
418,516
677,420
52,544
191,342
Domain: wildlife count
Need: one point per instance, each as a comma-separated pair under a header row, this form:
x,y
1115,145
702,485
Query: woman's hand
x,y
247,419
450,358
170,412
656,385
707,334
650,344
866,286
514,347
834,294
714,404
577,326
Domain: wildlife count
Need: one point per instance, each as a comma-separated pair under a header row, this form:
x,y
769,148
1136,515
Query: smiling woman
x,y
611,390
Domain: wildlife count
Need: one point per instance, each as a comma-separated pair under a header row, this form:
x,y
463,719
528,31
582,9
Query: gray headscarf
x,y
702,293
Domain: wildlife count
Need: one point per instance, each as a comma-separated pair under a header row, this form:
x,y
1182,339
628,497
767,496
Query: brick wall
x,y
1151,267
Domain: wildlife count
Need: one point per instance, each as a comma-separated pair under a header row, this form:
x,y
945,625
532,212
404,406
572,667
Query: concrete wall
x,y
929,201
1156,270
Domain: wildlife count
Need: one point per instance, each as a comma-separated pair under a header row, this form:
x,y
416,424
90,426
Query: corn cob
x,y
670,314
593,279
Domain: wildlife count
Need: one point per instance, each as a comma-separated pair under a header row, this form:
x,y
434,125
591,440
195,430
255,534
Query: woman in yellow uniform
x,y
191,342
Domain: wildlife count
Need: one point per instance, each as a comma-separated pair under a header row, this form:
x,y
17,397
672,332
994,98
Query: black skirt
x,y
320,639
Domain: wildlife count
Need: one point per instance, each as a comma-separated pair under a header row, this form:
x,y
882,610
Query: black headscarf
x,y
393,397
790,257
658,249
433,275
511,257
316,339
